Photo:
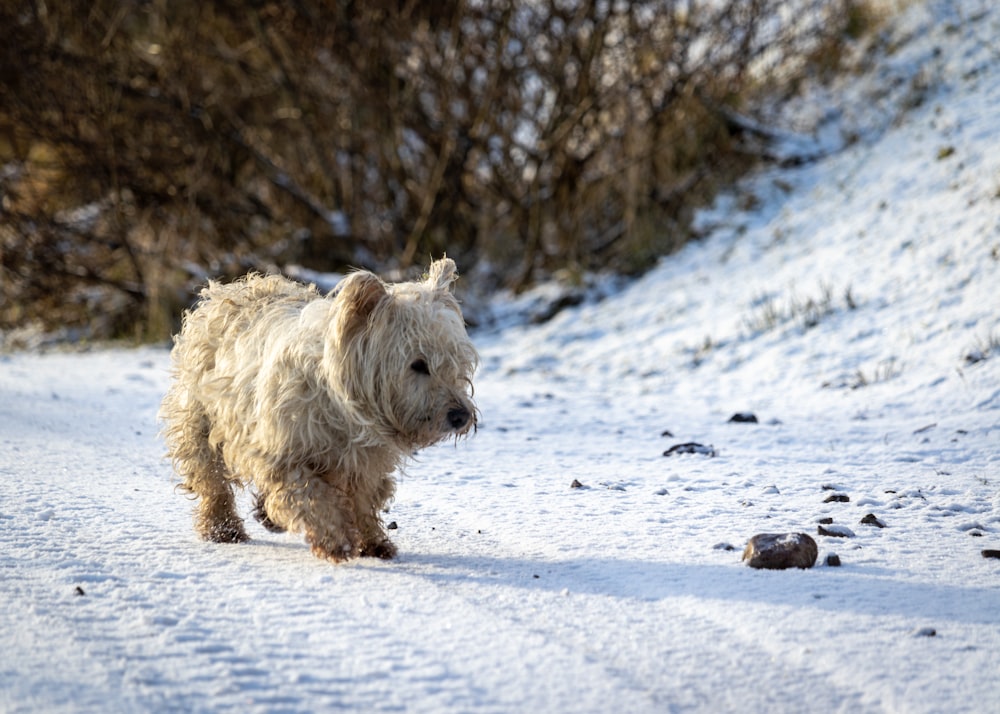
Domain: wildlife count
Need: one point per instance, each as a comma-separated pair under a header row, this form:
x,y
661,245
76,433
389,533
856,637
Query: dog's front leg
x,y
311,503
330,525
370,498
332,532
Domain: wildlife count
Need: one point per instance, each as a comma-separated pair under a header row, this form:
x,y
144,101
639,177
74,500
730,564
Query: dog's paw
x,y
384,549
336,551
230,531
335,554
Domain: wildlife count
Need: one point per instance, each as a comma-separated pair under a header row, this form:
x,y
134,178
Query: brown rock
x,y
777,551
691,447
872,520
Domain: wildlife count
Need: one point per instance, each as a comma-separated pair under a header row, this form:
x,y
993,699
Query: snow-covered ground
x,y
853,305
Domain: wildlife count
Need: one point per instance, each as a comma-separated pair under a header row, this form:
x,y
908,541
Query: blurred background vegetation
x,y
147,145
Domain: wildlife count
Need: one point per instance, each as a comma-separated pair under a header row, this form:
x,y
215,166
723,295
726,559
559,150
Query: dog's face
x,y
402,356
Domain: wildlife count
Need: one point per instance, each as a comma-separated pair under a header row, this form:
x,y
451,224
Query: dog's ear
x,y
442,274
358,296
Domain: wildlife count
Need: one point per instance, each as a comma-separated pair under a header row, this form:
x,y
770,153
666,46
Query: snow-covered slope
x,y
851,304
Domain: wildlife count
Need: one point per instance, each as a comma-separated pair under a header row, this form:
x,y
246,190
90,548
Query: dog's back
x,y
233,308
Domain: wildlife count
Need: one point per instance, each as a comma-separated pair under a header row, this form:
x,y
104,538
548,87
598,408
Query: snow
x,y
851,304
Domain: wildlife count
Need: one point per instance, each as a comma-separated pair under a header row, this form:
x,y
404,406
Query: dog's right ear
x,y
442,274
357,296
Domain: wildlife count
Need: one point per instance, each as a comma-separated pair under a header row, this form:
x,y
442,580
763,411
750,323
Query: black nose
x,y
458,417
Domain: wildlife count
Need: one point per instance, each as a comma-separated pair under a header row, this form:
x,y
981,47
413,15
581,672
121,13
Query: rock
x,y
777,551
871,520
925,632
833,560
576,484
79,591
837,498
690,447
743,418
988,553
835,531
723,546
392,526
825,521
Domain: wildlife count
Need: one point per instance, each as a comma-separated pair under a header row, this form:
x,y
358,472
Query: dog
x,y
315,401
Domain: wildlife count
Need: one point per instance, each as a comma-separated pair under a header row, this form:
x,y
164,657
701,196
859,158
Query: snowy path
x,y
513,592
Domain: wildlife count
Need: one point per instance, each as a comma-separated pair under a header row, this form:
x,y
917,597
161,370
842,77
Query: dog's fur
x,y
315,401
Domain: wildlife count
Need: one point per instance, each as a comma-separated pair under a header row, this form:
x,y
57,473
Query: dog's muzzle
x,y
458,418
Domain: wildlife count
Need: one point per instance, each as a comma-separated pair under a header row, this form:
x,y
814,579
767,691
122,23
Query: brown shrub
x,y
146,145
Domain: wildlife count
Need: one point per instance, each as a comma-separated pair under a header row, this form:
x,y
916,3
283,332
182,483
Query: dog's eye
x,y
420,367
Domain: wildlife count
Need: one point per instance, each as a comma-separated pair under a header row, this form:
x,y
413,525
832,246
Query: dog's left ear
x,y
359,295
442,274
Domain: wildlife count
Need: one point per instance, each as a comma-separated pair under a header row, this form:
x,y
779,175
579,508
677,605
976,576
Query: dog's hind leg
x,y
216,519
202,469
262,516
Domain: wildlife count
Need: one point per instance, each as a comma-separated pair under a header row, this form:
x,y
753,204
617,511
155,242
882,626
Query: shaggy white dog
x,y
315,401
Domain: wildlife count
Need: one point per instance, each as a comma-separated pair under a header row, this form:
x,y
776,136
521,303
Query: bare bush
x,y
146,145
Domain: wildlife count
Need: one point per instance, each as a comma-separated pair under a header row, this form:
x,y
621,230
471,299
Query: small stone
x,y
837,498
392,526
833,560
743,418
871,520
989,553
825,521
666,432
835,532
79,591
778,551
576,484
690,447
723,546
925,632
